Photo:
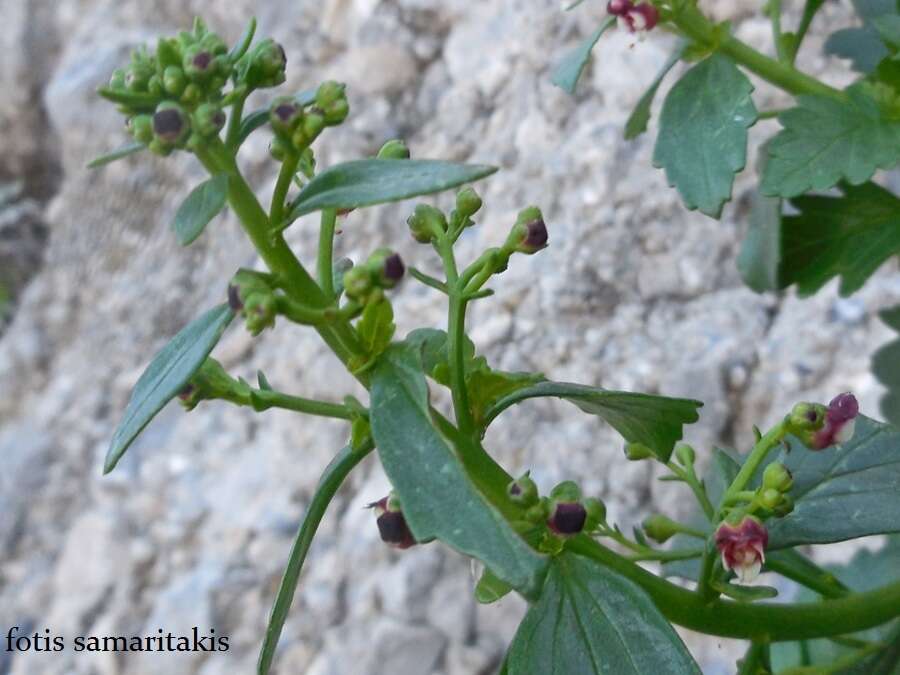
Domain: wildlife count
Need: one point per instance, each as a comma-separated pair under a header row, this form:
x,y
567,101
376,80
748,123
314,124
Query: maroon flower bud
x,y
234,298
642,18
170,123
619,7
743,547
567,518
529,234
393,268
840,422
391,524
537,235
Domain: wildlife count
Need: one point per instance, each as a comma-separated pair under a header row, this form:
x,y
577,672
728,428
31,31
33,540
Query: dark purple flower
x,y
567,518
169,124
840,422
743,547
394,268
392,525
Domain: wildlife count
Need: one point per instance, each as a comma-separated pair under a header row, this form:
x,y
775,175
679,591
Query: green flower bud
x,y
523,491
467,202
198,63
209,118
214,44
394,149
168,53
264,65
426,223
155,86
251,293
192,95
529,234
138,74
174,80
659,528
171,124
279,148
285,114
358,283
331,99
685,454
539,512
117,79
770,498
141,128
806,417
596,513
784,507
777,477
637,451
211,381
567,491
312,125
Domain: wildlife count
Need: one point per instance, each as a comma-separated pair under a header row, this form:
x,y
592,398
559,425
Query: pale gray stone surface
x,y
195,525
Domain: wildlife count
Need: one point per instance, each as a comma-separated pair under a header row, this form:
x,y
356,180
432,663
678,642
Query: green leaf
x,y
861,46
243,44
365,182
888,27
166,376
842,492
332,479
258,118
825,141
141,101
431,346
570,68
109,157
637,121
486,387
886,367
591,621
654,421
439,500
849,236
760,256
202,205
490,589
376,327
702,140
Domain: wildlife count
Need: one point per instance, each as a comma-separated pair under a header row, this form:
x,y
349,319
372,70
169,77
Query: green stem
x,y
332,479
234,124
773,8
694,25
757,456
690,477
283,184
456,336
838,665
754,661
325,259
275,252
810,8
761,621
276,399
821,582
667,556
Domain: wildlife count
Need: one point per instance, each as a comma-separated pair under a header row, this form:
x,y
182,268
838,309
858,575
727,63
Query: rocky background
x,y
194,527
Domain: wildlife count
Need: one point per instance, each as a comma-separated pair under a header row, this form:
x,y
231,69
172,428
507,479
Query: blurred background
x,y
194,527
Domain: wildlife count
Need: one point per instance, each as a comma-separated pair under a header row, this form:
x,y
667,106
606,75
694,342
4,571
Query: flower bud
x,y
394,149
209,119
523,491
685,454
567,491
642,18
171,125
117,79
840,422
529,234
310,127
538,513
386,267
198,63
138,74
467,202
770,498
192,94
619,7
784,507
284,114
174,81
635,452
567,518
392,524
265,65
777,477
141,128
659,528
252,294
211,381
426,223
743,547
280,148
331,99
358,283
